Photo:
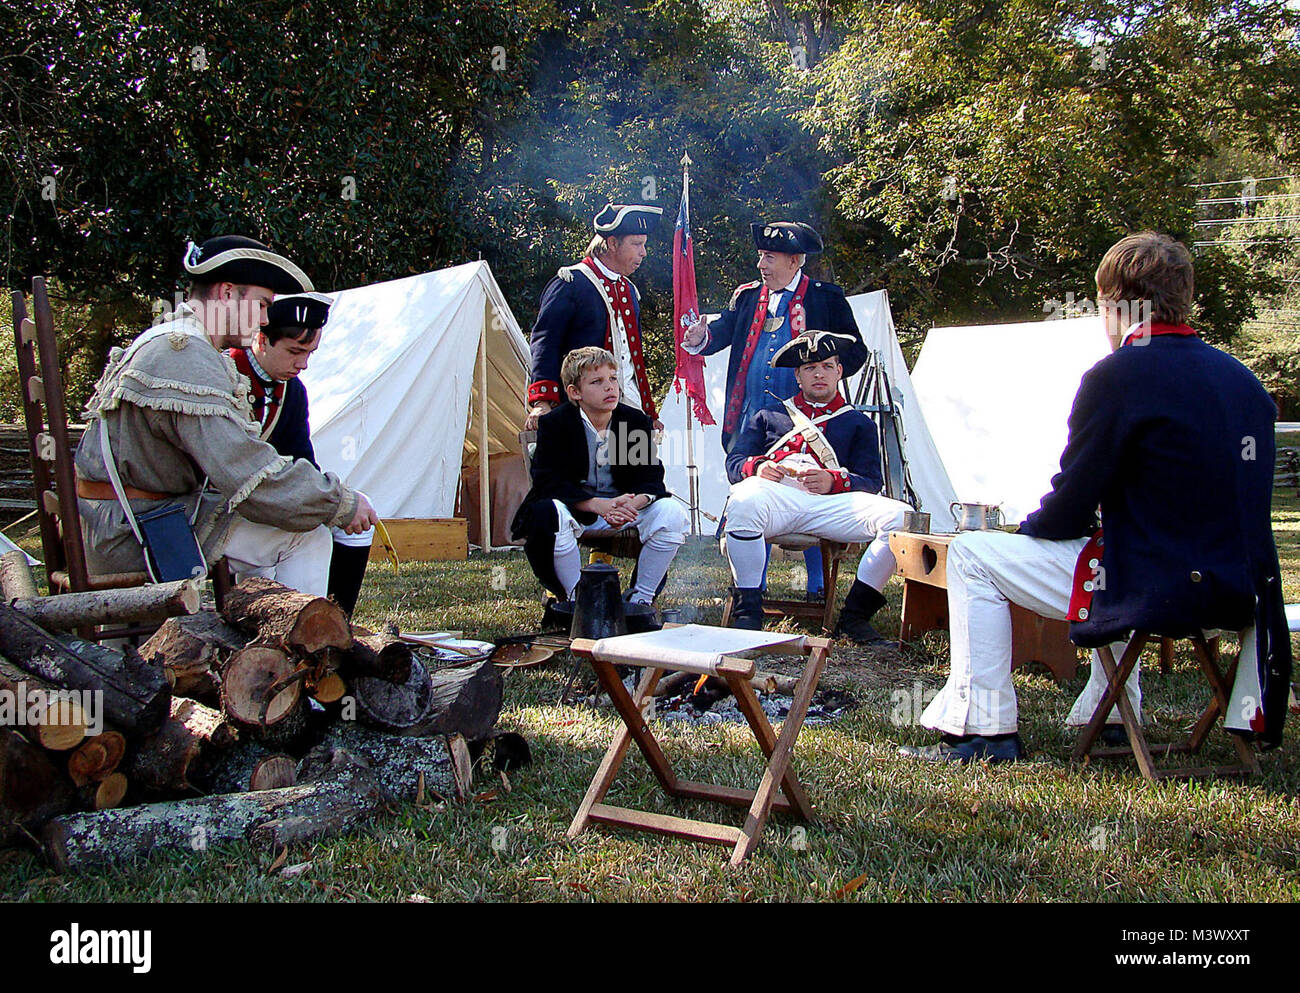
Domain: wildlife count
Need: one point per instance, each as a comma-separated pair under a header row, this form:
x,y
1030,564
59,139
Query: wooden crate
x,y
425,539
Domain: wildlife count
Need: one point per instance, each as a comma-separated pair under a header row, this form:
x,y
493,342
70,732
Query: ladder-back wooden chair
x,y
52,459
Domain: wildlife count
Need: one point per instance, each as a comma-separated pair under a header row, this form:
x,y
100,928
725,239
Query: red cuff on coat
x,y
840,482
750,466
544,389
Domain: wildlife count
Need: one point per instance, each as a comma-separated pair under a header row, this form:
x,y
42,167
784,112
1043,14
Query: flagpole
x,y
692,470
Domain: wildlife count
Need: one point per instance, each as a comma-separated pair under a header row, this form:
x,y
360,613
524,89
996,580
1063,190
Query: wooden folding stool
x,y
1220,683
686,648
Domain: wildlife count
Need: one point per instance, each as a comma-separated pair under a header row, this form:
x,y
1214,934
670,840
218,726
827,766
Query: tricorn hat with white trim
x,y
298,310
790,237
817,346
232,258
618,219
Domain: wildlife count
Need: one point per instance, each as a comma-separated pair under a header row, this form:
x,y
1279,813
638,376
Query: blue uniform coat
x,y
1173,440
825,309
851,435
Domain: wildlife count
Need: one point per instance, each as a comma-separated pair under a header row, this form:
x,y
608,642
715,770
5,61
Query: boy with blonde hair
x,y
594,469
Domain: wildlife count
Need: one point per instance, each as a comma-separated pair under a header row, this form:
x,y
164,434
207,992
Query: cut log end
x,y
96,758
250,676
273,772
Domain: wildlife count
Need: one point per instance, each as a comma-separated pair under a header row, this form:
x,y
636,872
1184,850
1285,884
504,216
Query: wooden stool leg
x,y
1223,695
830,577
634,728
1114,693
779,763
925,608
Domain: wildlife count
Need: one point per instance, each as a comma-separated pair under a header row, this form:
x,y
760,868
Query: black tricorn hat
x,y
790,237
618,219
298,310
817,346
232,258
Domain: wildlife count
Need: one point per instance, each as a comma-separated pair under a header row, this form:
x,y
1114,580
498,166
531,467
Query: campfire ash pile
x,y
274,721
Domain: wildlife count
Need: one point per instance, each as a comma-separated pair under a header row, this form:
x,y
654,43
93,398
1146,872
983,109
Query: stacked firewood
x,y
274,721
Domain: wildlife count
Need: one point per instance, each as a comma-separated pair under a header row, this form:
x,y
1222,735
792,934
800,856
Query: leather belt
x,y
90,490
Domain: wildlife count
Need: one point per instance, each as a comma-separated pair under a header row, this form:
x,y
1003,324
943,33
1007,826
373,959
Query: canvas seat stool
x,y
712,651
1220,682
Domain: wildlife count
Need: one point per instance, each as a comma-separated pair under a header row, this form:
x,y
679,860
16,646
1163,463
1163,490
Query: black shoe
x,y
557,614
967,749
859,607
747,608
1114,736
815,596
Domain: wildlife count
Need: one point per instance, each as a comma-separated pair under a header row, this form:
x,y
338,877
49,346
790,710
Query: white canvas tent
x,y
997,399
871,311
413,377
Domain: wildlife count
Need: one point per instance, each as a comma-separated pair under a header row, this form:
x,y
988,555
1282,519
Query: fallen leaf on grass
x,y
418,898
487,797
279,860
850,887
579,886
505,780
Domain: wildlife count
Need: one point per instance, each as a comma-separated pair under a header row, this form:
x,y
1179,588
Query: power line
x,y
1247,220
1243,199
1240,182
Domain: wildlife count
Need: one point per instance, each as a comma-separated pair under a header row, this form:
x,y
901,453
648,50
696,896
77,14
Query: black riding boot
x,y
859,607
747,608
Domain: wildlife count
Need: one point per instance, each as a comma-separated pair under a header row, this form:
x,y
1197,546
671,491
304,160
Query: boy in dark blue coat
x,y
1172,440
273,362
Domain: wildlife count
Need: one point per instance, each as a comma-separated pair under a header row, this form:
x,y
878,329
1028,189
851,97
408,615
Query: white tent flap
x,y
997,399
390,386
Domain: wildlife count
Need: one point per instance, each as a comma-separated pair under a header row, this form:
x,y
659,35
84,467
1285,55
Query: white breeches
x,y
761,506
662,528
987,570
298,559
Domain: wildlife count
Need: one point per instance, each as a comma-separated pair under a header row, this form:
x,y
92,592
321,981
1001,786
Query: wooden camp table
x,y
923,564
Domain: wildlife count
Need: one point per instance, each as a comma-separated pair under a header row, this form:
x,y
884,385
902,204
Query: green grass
x,y
1034,831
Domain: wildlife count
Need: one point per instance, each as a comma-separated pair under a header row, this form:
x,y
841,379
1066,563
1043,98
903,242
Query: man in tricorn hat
x,y
811,467
178,419
273,362
766,314
593,303
761,317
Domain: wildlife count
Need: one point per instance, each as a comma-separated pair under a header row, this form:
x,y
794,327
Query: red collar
x,y
590,263
1155,329
810,409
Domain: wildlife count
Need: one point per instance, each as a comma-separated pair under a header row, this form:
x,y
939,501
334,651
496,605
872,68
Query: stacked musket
x,y
275,721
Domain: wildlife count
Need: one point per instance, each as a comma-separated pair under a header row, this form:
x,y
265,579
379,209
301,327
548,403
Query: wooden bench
x,y
923,564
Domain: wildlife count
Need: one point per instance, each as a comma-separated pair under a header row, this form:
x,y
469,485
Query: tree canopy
x,y
974,160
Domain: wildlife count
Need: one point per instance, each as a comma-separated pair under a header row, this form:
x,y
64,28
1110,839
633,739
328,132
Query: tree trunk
x,y
249,766
97,758
345,799
465,701
54,718
397,762
171,760
135,695
16,580
32,788
192,650
136,605
286,618
378,656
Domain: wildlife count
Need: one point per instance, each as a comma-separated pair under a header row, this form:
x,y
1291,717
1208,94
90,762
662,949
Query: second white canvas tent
x,y
871,310
997,399
412,377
